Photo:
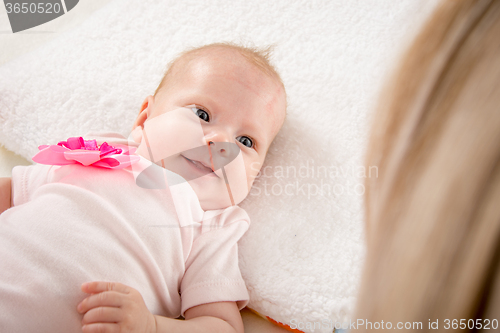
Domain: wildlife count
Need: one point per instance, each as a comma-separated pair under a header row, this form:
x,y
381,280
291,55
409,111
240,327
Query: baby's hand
x,y
114,307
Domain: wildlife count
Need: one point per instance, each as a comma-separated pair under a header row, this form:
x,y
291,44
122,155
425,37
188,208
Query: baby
x,y
162,231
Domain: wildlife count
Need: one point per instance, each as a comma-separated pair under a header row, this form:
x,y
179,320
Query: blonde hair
x,y
260,58
433,215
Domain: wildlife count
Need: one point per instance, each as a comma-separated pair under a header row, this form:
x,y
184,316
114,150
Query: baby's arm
x,y
5,196
115,307
212,317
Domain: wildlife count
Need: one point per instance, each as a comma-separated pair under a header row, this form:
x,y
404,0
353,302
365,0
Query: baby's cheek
x,y
252,168
238,178
172,133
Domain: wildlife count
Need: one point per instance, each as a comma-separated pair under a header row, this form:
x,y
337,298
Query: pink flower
x,y
86,152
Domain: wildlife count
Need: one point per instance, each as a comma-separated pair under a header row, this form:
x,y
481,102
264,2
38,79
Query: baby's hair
x,y
259,57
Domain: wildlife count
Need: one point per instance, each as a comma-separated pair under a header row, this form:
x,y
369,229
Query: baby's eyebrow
x,y
253,133
258,141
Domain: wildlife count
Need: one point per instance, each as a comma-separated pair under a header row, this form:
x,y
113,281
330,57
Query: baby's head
x,y
212,120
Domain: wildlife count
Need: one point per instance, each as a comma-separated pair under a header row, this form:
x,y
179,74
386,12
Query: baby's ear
x,y
144,113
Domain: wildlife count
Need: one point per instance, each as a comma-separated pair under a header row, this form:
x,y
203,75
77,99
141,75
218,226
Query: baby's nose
x,y
220,148
222,153
216,135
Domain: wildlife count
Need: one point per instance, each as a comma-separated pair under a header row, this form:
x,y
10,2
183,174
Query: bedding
x,y
302,255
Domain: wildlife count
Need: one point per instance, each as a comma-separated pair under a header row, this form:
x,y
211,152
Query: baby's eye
x,y
202,114
246,141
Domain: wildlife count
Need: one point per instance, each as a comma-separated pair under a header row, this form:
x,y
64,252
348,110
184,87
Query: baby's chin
x,y
217,197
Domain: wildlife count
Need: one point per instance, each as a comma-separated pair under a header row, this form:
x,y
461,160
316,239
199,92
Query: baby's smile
x,y
200,168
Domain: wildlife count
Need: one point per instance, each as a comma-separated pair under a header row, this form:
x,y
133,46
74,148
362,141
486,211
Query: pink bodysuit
x,y
73,224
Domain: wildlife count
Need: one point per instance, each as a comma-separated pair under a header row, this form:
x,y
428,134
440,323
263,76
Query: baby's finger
x,y
101,328
103,315
108,298
100,286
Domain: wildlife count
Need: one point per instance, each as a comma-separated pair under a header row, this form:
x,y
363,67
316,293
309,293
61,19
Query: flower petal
x,y
107,149
117,161
90,144
127,160
130,151
86,152
58,149
52,155
107,162
73,143
85,157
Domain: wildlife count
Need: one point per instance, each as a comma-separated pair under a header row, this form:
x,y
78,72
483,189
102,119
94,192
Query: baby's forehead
x,y
214,62
226,59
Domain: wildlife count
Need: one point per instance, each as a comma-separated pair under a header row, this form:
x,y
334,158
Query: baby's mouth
x,y
201,166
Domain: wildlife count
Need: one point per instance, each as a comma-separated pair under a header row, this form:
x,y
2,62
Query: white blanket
x,y
302,256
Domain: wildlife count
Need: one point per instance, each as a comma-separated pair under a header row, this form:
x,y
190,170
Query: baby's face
x,y
213,124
